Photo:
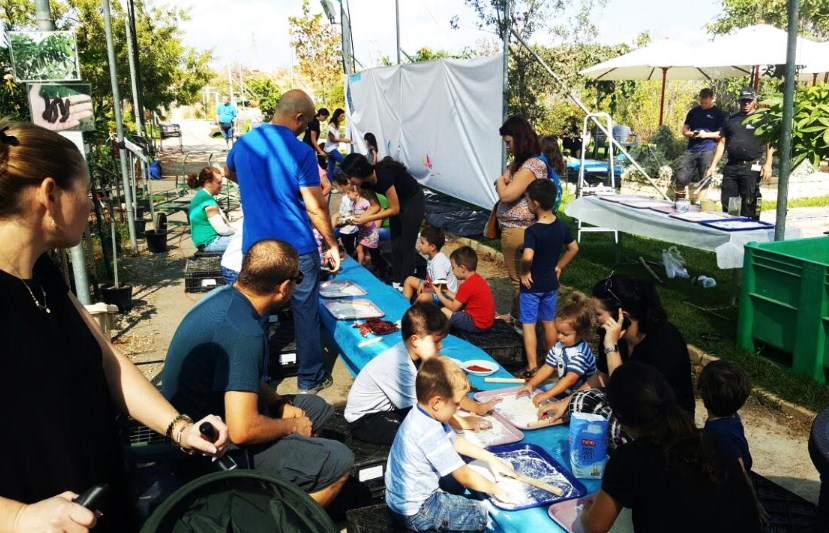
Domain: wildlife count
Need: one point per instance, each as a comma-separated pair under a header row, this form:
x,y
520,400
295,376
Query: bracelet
x,y
174,423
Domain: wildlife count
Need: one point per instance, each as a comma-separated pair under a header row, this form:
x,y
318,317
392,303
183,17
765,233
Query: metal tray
x,y
506,408
502,432
352,309
533,461
340,288
698,216
647,203
568,512
737,224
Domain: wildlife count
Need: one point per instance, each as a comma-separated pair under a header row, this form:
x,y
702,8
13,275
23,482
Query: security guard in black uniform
x,y
743,171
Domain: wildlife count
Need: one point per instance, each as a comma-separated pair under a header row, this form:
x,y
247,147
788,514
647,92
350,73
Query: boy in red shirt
x,y
472,308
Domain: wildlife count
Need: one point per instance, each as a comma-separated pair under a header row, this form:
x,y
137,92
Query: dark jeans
x,y
739,180
404,229
349,241
305,305
694,166
378,428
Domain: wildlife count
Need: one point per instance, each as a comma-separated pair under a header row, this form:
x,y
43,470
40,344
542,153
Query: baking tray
x,y
352,309
533,461
502,432
567,513
698,216
737,224
518,412
340,288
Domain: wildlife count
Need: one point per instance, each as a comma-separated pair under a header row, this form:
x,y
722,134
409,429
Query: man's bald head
x,y
266,265
295,110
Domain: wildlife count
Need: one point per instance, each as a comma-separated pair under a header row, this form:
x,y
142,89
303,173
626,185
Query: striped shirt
x,y
578,359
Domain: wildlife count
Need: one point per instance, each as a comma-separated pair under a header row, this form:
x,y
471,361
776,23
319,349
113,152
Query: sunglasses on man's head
x,y
608,286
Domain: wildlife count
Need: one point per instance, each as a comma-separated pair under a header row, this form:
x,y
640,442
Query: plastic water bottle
x,y
706,282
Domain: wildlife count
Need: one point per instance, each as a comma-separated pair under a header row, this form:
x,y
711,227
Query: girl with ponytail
x,y
670,477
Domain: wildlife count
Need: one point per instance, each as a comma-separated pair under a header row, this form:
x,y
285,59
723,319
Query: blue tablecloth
x,y
346,338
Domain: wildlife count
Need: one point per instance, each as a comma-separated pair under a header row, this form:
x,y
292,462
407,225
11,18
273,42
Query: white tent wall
x,y
439,118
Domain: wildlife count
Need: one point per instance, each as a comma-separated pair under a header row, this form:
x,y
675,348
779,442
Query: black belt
x,y
743,163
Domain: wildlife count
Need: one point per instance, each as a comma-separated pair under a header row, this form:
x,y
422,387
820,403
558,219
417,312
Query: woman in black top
x,y
669,476
61,381
634,327
405,211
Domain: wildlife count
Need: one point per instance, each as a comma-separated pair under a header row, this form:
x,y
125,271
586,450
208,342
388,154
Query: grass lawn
x,y
714,334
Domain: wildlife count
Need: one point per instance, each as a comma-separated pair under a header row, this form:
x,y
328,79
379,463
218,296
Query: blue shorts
x,y
537,306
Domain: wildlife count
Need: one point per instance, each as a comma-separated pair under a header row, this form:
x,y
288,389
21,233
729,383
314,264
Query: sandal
x,y
506,317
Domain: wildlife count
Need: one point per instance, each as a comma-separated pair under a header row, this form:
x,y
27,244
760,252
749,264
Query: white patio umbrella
x,y
759,45
817,70
664,59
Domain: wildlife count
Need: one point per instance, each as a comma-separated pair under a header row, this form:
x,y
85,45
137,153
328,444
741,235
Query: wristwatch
x,y
610,349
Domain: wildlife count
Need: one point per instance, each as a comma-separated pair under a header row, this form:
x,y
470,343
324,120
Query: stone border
x,y
701,358
698,357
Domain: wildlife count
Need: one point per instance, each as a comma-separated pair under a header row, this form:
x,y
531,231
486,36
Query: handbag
x,y
491,230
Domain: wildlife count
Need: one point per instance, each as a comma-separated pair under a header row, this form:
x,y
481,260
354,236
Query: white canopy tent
x,y
665,59
817,71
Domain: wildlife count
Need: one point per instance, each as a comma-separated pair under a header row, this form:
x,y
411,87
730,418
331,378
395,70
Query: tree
x,y
319,55
814,16
170,71
810,127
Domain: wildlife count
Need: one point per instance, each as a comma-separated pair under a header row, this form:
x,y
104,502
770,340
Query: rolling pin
x,y
505,380
544,423
552,489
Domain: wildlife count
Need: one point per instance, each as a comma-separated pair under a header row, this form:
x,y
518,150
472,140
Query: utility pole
x,y
119,124
397,18
44,16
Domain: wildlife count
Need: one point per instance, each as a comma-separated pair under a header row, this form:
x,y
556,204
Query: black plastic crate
x,y
282,345
369,459
372,519
787,511
501,342
202,274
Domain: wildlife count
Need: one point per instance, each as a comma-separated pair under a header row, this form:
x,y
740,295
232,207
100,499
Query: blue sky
x,y
255,32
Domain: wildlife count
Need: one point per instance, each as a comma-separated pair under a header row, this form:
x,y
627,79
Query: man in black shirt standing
x,y
312,135
702,129
743,172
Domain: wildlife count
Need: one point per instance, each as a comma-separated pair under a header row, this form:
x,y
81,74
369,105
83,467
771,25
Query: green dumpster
x,y
785,301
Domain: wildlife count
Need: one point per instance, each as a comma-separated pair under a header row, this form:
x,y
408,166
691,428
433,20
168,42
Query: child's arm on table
x,y
475,481
568,255
600,513
447,298
540,376
569,379
557,409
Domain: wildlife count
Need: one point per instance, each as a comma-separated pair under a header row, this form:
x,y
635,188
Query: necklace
x,y
42,306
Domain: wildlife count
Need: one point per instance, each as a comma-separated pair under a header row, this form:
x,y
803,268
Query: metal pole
x,y
505,80
45,23
786,129
662,97
136,108
44,16
119,124
230,81
397,26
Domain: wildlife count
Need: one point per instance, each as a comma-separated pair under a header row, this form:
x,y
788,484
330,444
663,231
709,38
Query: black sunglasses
x,y
298,278
608,286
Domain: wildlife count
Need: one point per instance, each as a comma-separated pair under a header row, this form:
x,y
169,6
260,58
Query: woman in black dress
x,y
407,206
61,380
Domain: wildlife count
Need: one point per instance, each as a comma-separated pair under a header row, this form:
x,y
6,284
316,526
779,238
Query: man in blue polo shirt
x,y
226,116
702,129
279,183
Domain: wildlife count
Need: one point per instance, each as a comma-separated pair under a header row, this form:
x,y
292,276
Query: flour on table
x,y
497,434
519,411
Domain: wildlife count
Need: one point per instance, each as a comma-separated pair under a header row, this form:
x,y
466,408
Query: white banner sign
x,y
439,118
